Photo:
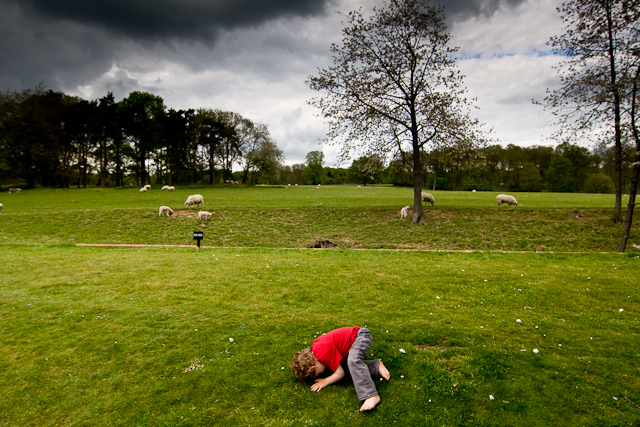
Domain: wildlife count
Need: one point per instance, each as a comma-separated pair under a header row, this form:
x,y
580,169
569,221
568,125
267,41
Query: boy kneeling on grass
x,y
328,350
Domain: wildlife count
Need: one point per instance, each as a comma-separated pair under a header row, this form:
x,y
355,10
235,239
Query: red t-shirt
x,y
332,347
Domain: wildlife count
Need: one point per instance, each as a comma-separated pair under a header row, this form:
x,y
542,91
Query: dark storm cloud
x,y
67,43
159,19
461,10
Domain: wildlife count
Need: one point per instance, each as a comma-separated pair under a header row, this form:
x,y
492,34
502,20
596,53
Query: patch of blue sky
x,y
497,53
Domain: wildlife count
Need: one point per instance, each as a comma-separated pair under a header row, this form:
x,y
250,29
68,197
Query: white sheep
x,y
505,198
143,189
165,210
0,207
164,187
148,187
204,215
428,198
168,188
404,212
194,199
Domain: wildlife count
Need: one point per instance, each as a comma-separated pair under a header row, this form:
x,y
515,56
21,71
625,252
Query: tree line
x,y
565,168
52,139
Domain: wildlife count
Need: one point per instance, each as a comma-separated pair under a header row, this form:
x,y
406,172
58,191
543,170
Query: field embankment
x,y
353,218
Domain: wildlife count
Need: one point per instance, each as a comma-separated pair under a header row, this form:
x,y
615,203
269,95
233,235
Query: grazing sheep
x,y
164,187
428,198
143,189
15,190
165,210
404,212
204,215
168,188
0,207
505,198
148,187
194,199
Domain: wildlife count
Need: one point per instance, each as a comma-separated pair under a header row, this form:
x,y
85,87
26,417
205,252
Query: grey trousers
x,y
363,371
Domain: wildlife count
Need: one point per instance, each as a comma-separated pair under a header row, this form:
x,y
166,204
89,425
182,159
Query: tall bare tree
x,y
599,41
634,128
394,88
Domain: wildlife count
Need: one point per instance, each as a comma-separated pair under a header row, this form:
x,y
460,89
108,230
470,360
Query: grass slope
x,y
294,217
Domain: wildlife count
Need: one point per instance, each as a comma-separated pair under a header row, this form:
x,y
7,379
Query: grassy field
x,y
294,217
155,336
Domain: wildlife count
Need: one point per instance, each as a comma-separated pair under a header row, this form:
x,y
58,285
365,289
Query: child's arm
x,y
333,378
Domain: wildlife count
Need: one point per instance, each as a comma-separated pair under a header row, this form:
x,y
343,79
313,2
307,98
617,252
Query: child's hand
x,y
319,385
323,382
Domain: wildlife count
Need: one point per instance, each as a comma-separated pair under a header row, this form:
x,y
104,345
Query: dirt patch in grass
x,y
185,213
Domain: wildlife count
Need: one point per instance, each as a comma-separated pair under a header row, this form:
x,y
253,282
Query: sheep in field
x,y
404,212
148,187
164,187
204,215
428,198
0,207
194,199
505,198
168,188
165,211
143,189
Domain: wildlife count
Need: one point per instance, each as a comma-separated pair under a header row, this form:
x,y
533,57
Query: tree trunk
x,y
211,163
636,169
143,170
617,211
418,213
632,203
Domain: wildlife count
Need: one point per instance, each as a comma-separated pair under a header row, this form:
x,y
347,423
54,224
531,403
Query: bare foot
x,y
370,403
383,371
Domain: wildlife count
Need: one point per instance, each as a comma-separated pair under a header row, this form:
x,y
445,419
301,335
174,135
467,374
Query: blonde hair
x,y
303,364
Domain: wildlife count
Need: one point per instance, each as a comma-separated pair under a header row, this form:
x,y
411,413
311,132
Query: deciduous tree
x,y
141,115
314,172
599,43
393,87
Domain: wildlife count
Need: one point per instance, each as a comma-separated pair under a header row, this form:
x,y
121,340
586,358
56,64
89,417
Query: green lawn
x,y
294,217
156,336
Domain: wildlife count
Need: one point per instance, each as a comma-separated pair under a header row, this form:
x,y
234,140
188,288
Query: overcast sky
x,y
253,57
